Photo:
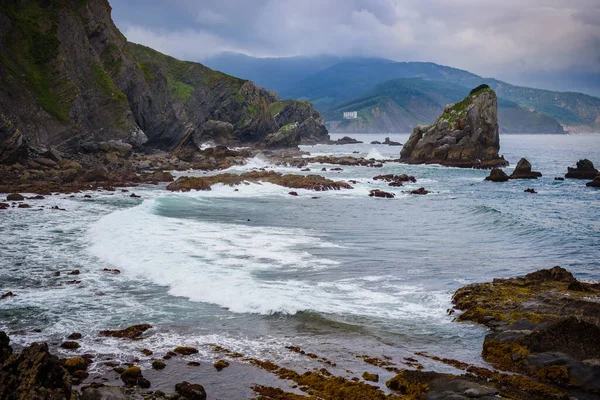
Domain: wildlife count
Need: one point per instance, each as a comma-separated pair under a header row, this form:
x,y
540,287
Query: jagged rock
x,y
190,391
465,135
584,170
346,140
523,171
497,175
595,182
287,136
310,124
13,144
34,374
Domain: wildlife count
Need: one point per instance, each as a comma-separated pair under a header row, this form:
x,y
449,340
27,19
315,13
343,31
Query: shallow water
x,y
257,269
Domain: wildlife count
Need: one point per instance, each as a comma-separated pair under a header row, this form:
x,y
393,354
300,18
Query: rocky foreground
x,y
543,345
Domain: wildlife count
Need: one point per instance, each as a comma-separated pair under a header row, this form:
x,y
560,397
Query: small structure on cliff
x,y
465,135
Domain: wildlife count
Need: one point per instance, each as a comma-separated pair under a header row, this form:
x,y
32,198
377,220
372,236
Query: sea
x,y
256,270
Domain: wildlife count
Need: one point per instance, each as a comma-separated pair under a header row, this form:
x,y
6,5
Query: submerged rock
x,y
465,135
220,365
497,175
584,170
523,171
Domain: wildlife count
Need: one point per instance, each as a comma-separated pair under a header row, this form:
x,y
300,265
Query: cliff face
x,y
465,135
71,81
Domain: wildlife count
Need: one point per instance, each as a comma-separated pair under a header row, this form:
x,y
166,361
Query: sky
x,y
521,41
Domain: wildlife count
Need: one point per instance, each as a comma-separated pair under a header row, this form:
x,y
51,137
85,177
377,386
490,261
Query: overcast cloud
x,y
488,37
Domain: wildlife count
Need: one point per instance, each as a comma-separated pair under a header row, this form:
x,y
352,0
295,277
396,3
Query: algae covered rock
x,y
191,391
132,332
465,135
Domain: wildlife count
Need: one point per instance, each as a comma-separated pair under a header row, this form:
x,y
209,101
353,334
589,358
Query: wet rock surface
x,y
544,326
497,175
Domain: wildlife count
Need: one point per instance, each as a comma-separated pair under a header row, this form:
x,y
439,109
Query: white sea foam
x,y
242,268
374,153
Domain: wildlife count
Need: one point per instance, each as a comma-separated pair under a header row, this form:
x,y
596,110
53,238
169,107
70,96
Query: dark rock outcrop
x,y
346,140
595,182
391,142
523,171
190,391
584,170
34,374
465,135
497,175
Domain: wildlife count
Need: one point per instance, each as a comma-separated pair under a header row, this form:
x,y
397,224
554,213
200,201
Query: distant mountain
x,y
277,74
401,104
330,84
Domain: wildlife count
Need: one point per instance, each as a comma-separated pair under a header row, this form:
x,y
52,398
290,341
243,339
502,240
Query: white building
x,y
350,114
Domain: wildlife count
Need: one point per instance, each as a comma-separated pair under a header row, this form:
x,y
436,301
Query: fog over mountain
x,y
553,44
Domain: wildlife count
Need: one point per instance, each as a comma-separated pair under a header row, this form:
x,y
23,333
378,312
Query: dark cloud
x,y
491,38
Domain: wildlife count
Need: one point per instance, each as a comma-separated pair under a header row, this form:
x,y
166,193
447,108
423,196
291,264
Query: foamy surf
x,y
245,269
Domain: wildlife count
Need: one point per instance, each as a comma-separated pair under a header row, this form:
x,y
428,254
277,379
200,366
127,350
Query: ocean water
x,y
256,270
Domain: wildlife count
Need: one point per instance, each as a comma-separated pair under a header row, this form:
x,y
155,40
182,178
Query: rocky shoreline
x,y
542,345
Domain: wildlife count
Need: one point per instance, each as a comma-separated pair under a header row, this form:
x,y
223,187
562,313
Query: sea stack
x,y
465,135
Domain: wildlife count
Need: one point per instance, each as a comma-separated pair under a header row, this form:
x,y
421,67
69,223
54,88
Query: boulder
x,y
185,350
34,374
497,175
595,182
162,176
530,190
584,170
465,135
158,365
187,183
523,171
220,365
190,391
132,376
15,197
95,175
101,392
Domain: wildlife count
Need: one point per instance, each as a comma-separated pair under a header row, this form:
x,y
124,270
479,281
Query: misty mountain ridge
x,y
348,80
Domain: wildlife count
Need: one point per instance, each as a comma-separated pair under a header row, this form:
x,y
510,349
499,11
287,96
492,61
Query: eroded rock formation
x,y
465,135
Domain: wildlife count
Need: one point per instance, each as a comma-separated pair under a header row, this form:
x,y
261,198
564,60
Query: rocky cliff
x,y
71,81
465,135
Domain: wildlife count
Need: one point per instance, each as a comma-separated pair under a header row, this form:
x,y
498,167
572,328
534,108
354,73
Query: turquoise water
x,y
255,270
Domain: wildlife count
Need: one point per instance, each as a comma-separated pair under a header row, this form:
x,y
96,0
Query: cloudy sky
x,y
511,39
